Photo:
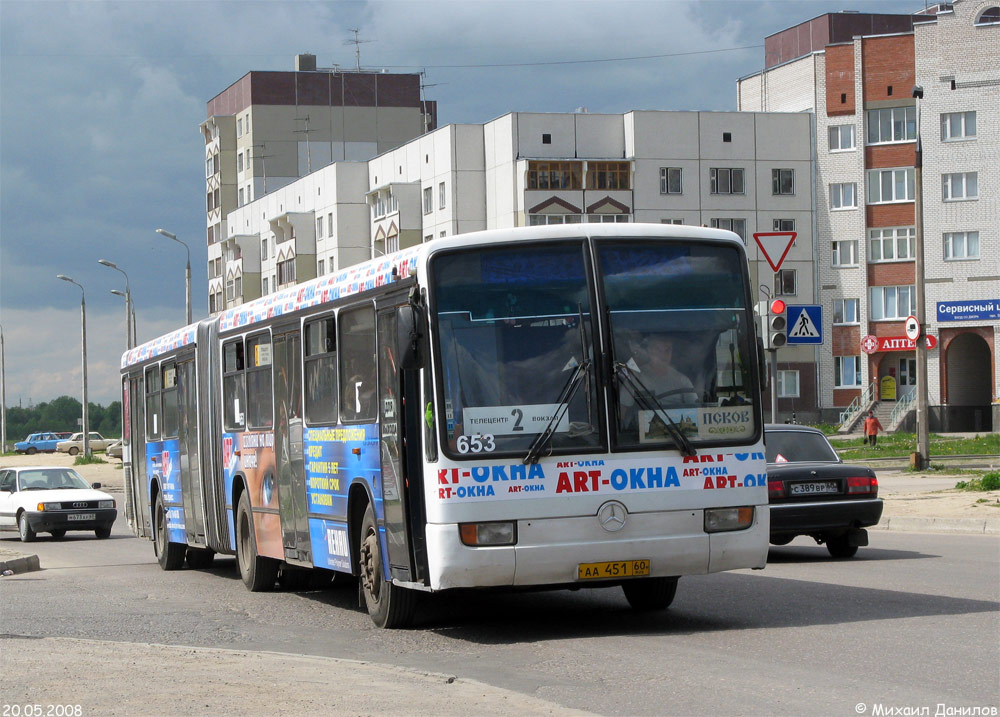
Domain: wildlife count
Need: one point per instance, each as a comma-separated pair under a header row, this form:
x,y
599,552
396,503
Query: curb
x,y
913,524
21,564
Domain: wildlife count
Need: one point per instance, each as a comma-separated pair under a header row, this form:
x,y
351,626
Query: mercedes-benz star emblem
x,y
612,516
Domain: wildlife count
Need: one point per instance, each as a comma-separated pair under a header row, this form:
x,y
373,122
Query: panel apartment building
x,y
856,75
268,129
746,172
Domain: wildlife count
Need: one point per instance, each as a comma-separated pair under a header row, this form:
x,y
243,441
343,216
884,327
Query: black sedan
x,y
812,492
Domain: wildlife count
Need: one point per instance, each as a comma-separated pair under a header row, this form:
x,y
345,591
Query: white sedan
x,y
52,499
74,444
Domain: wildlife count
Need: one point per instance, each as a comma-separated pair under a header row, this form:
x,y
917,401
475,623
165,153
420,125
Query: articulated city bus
x,y
565,406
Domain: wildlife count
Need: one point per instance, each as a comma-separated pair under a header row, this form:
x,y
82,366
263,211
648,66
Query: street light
x,y
129,342
135,336
3,396
187,273
83,323
920,345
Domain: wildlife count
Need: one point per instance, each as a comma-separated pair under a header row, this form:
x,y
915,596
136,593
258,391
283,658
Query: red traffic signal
x,y
777,306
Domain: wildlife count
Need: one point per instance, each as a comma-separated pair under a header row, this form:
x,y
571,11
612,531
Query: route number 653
x,y
476,443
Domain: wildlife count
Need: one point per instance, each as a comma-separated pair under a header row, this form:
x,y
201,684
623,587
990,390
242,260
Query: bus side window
x,y
234,390
260,402
168,401
321,371
153,422
357,365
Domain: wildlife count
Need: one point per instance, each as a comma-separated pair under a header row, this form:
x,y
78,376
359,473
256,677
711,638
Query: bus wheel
x,y
388,605
650,593
258,573
200,558
169,555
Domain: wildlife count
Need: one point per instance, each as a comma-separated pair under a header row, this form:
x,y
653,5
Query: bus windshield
x,y
515,337
680,343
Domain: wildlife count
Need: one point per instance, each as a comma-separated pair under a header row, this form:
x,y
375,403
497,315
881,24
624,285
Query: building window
x,y
428,200
212,308
845,253
208,168
554,175
846,371
892,244
961,245
608,175
784,282
248,122
782,181
239,127
784,225
230,294
841,137
671,180
959,186
241,202
896,124
844,196
319,227
958,125
542,219
263,287
392,243
989,16
320,266
890,185
726,180
286,271
788,384
671,221
239,162
441,195
891,302
263,248
238,287
845,311
737,226
606,218
329,224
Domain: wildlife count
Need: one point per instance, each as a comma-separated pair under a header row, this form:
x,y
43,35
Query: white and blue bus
x,y
545,406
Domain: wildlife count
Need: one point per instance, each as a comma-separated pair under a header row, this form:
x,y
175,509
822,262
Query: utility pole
x,y
3,396
306,132
920,345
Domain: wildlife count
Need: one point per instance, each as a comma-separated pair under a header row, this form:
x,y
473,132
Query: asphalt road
x,y
912,621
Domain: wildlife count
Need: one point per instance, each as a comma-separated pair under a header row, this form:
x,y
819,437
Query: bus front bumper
x,y
550,551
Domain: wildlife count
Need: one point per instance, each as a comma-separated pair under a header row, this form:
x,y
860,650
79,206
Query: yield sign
x,y
775,246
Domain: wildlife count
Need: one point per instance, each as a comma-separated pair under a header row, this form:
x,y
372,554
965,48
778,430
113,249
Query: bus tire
x,y
650,593
389,606
258,573
169,555
200,558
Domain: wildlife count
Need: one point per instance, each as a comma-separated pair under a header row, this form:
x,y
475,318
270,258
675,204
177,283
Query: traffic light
x,y
777,325
761,311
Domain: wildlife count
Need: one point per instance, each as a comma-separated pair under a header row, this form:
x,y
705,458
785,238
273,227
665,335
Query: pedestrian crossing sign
x,y
805,324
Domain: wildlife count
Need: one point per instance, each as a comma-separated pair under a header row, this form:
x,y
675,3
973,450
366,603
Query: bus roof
x,y
401,264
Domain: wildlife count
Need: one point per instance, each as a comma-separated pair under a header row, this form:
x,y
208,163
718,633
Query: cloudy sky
x,y
100,104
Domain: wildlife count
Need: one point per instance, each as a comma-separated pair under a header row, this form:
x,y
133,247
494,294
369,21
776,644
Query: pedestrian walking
x,y
872,427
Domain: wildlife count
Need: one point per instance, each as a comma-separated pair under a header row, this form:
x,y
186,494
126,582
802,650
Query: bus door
x,y
133,454
192,489
289,466
401,499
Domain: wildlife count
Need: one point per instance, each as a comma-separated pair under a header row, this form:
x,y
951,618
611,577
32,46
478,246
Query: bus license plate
x,y
81,516
613,569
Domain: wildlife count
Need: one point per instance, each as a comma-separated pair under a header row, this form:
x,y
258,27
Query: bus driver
x,y
658,373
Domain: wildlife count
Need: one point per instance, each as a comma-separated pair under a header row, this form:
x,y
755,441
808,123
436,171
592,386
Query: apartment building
x,y
268,129
856,75
746,172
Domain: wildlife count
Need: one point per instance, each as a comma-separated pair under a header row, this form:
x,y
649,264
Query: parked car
x,y
44,442
812,492
52,499
75,443
114,450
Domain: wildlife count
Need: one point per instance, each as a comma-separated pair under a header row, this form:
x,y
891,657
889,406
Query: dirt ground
x,y
905,494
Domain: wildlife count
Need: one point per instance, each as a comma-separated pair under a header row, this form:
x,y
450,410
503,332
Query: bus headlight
x,y
495,533
720,520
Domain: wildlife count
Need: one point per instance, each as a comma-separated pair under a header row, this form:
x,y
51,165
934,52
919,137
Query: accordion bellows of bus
x,y
573,405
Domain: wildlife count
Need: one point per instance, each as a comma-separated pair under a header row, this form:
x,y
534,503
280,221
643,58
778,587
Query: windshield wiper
x,y
645,399
565,396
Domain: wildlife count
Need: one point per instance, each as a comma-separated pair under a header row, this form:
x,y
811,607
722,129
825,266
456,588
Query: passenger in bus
x,y
658,372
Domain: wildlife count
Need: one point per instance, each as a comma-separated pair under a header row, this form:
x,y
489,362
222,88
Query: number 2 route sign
x,y
775,246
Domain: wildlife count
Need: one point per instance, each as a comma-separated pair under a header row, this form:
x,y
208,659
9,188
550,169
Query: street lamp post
x,y
920,345
187,273
131,318
3,396
83,324
129,338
